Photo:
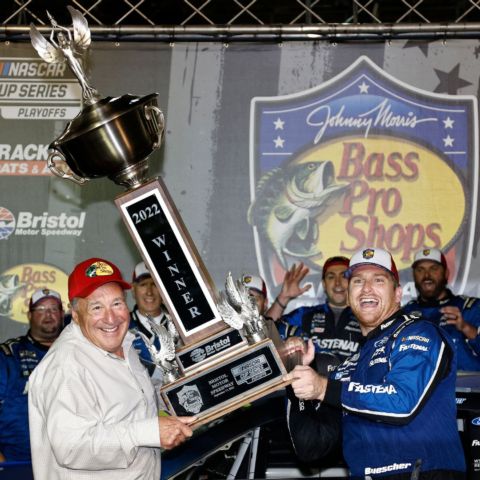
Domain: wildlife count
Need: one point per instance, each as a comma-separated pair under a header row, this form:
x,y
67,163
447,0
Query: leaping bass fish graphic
x,y
9,287
288,203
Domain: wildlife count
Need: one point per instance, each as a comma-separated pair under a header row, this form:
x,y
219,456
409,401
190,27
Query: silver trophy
x,y
163,357
94,143
239,310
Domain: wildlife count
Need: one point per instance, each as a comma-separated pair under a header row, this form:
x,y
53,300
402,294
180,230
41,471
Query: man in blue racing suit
x,y
458,315
148,305
332,326
18,358
398,393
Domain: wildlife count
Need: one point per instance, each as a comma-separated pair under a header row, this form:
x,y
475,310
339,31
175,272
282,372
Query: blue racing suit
x,y
318,323
136,326
18,358
398,399
468,351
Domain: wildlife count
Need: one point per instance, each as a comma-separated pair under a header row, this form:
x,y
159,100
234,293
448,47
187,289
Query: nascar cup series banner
x,y
273,154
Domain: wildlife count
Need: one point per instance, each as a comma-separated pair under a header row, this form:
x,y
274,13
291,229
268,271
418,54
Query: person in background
x,y
18,358
92,406
148,303
258,290
397,395
458,315
332,326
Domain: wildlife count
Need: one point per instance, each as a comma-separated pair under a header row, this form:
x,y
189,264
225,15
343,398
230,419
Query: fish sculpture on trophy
x,y
212,368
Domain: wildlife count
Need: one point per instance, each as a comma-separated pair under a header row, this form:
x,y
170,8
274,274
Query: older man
x,y
458,315
398,393
92,406
18,358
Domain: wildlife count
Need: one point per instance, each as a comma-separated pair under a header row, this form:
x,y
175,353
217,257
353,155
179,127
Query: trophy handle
x,y
66,171
157,120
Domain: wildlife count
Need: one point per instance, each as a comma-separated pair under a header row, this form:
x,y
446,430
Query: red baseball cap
x,y
337,260
91,274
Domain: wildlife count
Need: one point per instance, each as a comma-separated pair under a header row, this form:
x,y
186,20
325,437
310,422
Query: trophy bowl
x,y
110,138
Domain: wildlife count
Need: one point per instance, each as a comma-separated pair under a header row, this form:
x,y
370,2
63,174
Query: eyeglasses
x,y
46,309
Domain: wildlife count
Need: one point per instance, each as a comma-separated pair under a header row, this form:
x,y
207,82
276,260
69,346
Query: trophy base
x,y
226,385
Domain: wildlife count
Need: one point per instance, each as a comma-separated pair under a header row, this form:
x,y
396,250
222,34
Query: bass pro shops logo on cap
x,y
368,253
98,269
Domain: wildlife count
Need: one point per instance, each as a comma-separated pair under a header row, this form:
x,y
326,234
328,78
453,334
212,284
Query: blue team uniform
x,y
468,351
18,358
398,399
318,323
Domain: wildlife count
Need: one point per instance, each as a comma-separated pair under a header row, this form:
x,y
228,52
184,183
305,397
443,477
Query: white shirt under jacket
x,y
92,414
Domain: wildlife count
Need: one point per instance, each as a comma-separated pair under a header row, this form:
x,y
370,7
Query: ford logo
x,y
476,421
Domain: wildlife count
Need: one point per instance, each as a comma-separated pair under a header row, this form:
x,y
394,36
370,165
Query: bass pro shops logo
x,y
363,160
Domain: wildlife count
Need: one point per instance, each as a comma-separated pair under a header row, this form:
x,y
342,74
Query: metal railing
x,y
230,20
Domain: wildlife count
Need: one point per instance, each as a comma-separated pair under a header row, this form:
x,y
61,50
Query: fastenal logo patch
x,y
18,283
340,167
46,224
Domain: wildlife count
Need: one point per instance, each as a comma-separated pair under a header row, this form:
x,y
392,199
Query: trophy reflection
x,y
225,359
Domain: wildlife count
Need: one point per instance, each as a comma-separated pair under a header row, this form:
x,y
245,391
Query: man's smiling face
x,y
430,279
373,296
104,317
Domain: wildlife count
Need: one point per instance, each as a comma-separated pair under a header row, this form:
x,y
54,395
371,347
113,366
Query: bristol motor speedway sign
x,y
363,160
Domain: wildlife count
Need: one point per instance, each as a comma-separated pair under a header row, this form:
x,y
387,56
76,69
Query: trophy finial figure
x,y
63,47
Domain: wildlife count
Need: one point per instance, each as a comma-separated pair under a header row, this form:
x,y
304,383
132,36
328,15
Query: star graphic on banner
x,y
363,87
279,142
450,82
448,141
448,122
423,46
279,124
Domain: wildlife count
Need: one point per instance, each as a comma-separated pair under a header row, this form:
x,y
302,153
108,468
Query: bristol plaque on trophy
x,y
225,359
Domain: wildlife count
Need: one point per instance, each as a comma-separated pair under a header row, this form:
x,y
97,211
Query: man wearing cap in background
x,y
92,406
18,358
456,314
331,325
398,393
148,303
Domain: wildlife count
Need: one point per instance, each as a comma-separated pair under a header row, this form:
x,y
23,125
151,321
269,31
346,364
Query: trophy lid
x,y
100,113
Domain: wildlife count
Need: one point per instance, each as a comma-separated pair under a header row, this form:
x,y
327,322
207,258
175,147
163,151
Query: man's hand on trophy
x,y
174,430
306,383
